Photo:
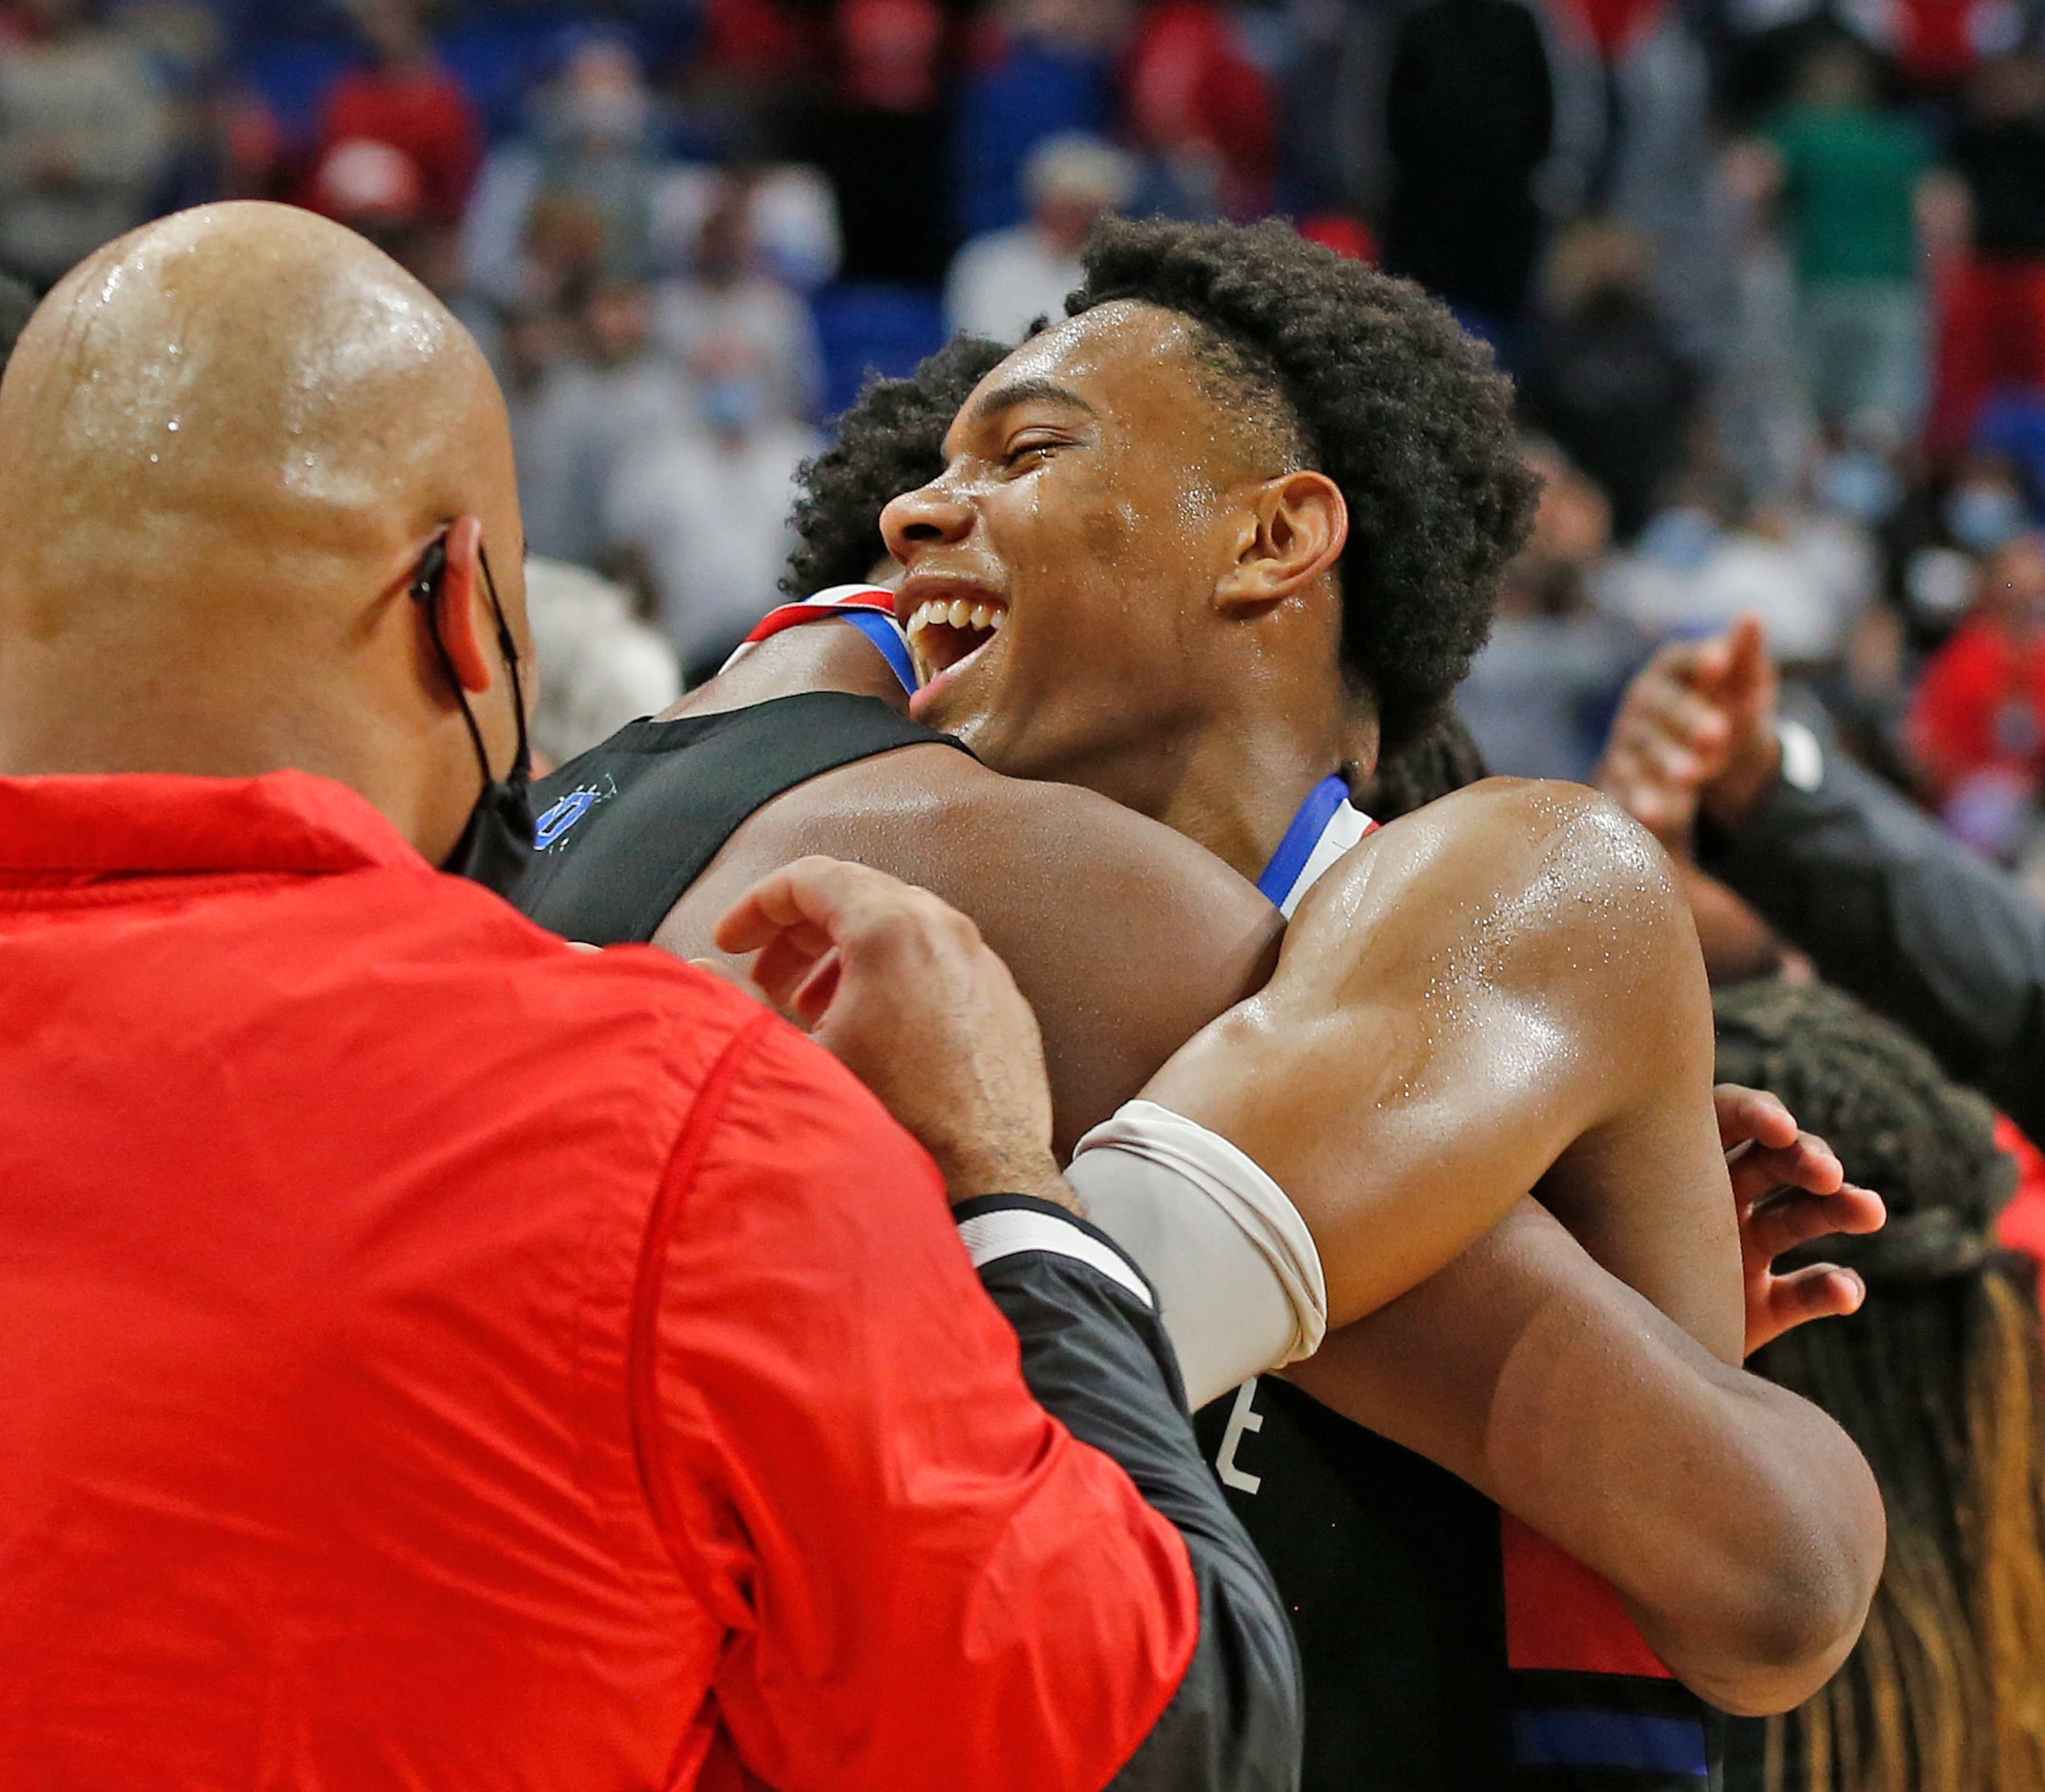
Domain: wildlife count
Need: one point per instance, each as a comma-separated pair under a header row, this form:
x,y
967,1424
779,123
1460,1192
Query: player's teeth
x,y
979,615
961,613
917,624
995,618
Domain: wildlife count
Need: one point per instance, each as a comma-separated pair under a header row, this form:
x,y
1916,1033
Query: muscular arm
x,y
1499,992
1738,1522
1504,990
1126,937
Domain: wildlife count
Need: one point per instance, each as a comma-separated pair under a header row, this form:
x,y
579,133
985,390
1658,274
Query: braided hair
x,y
1938,1378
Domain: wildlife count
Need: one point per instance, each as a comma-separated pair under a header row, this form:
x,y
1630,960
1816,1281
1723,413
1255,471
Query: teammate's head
x,y
226,442
1242,463
1937,1380
891,442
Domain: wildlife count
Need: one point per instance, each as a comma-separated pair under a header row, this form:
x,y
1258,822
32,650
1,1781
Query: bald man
x,y
434,1357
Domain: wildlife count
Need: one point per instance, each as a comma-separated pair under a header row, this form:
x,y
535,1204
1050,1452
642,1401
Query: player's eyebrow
x,y
1024,391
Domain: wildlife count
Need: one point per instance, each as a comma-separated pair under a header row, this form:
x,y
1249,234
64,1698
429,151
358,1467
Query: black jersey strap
x,y
626,827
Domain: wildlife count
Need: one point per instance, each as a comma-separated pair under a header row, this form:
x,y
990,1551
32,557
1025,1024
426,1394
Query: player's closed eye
x,y
1019,451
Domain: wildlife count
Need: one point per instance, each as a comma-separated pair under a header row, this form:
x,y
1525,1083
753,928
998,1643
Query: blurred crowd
x,y
1770,275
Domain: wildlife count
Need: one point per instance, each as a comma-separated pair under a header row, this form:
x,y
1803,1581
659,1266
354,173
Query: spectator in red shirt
x,y
404,99
433,1356
1978,721
1200,105
1992,323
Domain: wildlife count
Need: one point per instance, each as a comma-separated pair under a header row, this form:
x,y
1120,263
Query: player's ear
x,y
1293,532
460,607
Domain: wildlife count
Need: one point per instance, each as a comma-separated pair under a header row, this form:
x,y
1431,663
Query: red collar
x,y
144,823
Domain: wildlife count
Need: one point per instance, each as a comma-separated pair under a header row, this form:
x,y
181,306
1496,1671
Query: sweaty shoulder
x,y
1126,937
1563,855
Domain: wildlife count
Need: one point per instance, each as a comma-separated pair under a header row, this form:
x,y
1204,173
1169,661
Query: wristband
x,y
995,1226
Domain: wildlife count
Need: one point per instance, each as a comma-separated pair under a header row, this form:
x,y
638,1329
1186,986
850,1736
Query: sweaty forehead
x,y
1135,365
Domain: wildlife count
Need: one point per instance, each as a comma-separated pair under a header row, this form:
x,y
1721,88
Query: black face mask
x,y
496,845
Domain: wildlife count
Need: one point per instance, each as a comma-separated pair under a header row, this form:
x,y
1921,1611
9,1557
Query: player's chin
x,y
962,694
951,711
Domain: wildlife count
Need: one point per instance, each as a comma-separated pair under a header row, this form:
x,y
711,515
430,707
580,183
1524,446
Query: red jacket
x,y
433,1358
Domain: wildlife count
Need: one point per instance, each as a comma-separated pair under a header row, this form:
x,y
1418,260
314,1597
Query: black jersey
x,y
627,826
1447,1648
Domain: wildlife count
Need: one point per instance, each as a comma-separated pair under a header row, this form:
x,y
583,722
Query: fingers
x,y
1796,1218
807,920
1672,737
1684,716
826,897
1754,1116
1809,1165
1823,1291
786,969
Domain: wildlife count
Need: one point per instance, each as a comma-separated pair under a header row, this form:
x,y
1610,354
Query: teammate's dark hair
x,y
1371,382
17,304
1443,759
891,442
1938,1378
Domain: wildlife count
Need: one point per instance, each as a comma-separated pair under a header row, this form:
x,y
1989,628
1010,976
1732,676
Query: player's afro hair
x,y
891,442
1375,385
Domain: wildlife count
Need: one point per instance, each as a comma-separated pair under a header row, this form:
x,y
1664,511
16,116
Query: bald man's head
x,y
226,440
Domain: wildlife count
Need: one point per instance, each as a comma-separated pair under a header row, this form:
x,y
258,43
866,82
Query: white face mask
x,y
615,117
1983,517
1861,484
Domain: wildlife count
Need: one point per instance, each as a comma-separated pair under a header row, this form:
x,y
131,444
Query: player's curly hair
x,y
892,440
1938,1380
1374,383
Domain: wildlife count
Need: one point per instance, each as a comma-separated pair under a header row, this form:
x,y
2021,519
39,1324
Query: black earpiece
x,y
432,569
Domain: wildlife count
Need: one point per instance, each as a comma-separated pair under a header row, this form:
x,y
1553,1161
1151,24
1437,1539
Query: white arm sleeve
x,y
1238,1277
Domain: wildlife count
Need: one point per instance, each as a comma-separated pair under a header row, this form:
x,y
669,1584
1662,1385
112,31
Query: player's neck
x,y
1231,769
1239,799
1265,727
817,657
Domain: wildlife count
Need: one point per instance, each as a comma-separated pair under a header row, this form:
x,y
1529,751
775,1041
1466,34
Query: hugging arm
x,y
1739,1523
1499,992
1066,1605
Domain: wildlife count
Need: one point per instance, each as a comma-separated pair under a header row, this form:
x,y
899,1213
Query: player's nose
x,y
929,517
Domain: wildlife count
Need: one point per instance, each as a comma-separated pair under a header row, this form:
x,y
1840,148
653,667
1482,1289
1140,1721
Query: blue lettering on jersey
x,y
548,829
